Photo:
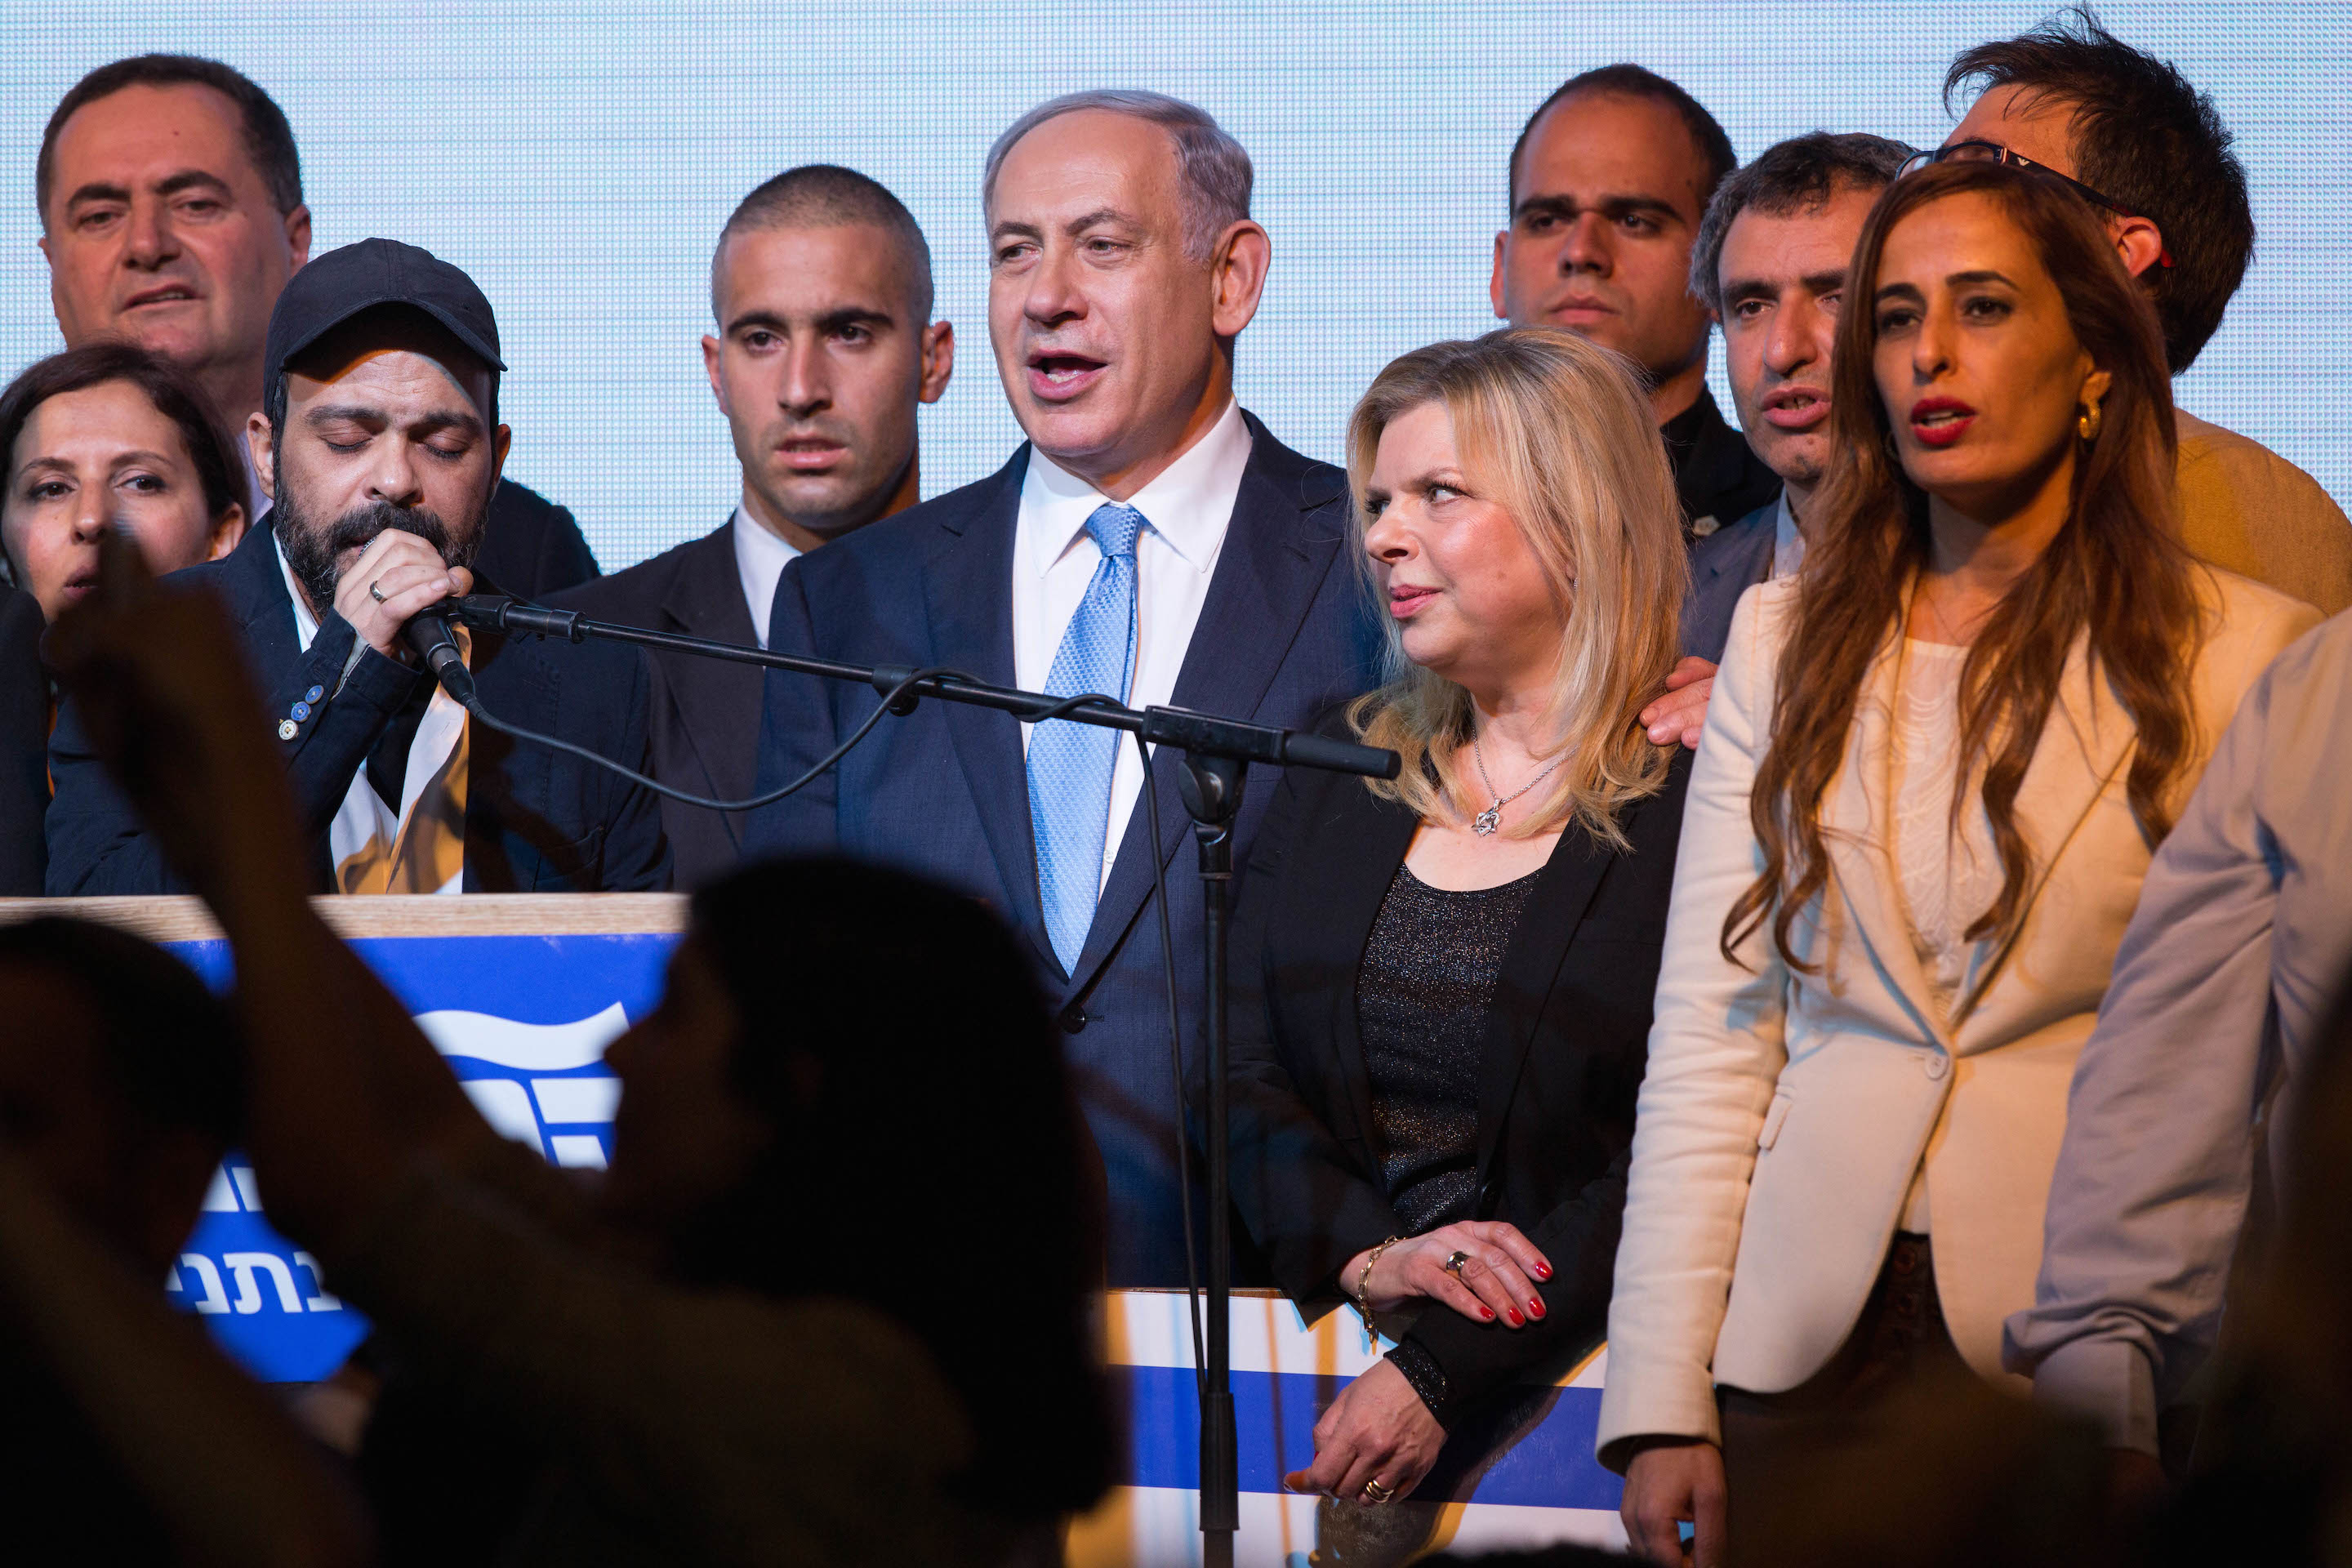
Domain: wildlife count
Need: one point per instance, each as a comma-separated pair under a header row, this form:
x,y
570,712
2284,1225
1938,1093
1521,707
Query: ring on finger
x,y
375,590
1374,1492
1455,1261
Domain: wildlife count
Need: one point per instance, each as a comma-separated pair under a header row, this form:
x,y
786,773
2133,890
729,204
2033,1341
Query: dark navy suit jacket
x,y
1286,631
536,820
1724,565
704,719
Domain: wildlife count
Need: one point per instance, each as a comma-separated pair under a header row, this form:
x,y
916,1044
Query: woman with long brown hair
x,y
1934,768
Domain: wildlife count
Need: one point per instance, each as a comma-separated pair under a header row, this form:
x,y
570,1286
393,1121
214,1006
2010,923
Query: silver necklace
x,y
1484,824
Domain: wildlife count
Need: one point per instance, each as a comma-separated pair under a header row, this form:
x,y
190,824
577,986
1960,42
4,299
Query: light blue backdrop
x,y
580,159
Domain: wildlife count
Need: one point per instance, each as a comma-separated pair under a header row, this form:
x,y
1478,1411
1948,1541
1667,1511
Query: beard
x,y
313,548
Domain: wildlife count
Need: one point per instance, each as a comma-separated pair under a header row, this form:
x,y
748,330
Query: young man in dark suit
x,y
172,214
1152,542
382,442
821,292
1607,183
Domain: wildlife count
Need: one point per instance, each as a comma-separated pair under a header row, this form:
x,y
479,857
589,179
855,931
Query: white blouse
x,y
1946,872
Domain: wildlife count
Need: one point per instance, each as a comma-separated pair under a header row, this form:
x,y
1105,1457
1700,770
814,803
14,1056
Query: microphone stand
x,y
1216,756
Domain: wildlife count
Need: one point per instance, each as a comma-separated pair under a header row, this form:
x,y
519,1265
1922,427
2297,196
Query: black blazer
x,y
23,743
1564,1057
536,820
530,544
1718,476
705,715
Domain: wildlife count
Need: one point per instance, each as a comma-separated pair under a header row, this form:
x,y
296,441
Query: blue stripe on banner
x,y
529,979
1274,1415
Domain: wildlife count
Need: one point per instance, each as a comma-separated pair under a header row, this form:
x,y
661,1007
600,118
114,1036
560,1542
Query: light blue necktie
x,y
1070,765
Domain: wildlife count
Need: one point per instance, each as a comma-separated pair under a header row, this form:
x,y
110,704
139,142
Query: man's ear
x,y
297,234
259,442
2141,243
711,349
499,444
939,361
1237,277
1494,282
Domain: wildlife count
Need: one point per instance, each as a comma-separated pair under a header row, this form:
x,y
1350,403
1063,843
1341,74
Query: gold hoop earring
x,y
2087,425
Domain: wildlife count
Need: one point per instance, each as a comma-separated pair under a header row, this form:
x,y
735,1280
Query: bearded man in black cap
x,y
380,441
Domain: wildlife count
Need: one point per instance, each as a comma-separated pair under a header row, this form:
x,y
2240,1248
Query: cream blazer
x,y
1783,1114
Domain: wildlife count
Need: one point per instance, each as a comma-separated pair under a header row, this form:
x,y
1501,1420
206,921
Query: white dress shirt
x,y
1186,509
1788,543
363,816
761,558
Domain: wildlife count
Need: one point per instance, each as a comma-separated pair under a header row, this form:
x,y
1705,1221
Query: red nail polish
x,y
1485,1316
1516,1319
1535,1306
1543,1270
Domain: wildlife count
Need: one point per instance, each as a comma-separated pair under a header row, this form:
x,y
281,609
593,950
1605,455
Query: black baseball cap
x,y
325,293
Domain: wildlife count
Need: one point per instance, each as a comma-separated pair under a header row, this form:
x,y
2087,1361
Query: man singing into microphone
x,y
380,440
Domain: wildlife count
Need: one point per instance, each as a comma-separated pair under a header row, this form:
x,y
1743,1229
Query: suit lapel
x,y
262,605
1858,832
1275,557
968,590
1531,962
718,702
2086,738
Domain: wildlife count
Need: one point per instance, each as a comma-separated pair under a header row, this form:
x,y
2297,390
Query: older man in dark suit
x,y
821,292
383,444
1151,541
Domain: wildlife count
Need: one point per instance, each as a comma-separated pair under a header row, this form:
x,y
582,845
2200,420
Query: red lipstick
x,y
1940,421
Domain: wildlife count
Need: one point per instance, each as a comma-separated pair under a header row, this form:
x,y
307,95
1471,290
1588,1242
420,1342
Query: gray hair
x,y
1214,171
1799,175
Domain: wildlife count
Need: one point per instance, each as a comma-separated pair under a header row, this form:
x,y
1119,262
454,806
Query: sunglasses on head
x,y
1976,150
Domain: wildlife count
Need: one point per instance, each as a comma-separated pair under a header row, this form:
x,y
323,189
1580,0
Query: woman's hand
x,y
1377,1430
1493,1281
1667,1484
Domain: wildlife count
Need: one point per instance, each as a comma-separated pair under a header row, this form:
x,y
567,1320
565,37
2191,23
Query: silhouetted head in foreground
x,y
852,1088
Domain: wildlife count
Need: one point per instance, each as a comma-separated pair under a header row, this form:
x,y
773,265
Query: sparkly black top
x,y
1422,993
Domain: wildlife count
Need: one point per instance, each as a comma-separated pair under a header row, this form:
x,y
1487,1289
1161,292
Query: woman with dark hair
x,y
1935,768
774,1334
111,433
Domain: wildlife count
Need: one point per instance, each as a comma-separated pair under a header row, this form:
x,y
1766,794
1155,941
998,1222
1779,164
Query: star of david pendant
x,y
1488,820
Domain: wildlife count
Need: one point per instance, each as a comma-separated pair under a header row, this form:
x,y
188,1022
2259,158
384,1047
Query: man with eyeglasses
x,y
2134,139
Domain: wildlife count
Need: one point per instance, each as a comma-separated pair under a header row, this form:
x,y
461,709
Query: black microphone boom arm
x,y
1202,734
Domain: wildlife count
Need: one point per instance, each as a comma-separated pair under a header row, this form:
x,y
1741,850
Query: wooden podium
x,y
521,993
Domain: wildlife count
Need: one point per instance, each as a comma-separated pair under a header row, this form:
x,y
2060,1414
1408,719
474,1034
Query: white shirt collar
x,y
1181,503
761,558
306,625
1788,543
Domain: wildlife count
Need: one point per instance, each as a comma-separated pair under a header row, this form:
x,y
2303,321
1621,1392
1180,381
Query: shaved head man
x,y
821,348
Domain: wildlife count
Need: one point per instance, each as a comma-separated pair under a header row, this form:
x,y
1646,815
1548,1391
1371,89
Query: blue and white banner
x,y
523,1021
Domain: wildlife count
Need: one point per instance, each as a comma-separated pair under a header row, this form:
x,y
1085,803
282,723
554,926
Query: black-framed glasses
x,y
1976,150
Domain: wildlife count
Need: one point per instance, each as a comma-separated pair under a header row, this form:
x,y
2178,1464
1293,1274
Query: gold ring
x,y
375,592
1455,1262
1376,1493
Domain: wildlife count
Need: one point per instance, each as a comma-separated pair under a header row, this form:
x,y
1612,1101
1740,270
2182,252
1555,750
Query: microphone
x,y
428,633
